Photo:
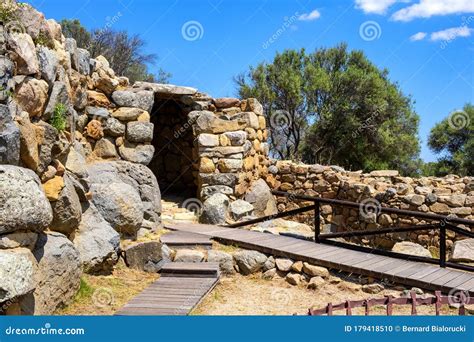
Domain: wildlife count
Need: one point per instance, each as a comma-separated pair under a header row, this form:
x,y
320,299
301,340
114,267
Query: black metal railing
x,y
443,223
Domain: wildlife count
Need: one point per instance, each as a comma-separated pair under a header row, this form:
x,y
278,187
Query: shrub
x,y
58,119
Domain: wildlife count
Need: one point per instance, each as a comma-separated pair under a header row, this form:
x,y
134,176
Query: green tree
x,y
341,110
123,51
453,139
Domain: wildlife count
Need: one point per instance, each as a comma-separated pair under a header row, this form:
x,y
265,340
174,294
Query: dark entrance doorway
x,y
174,161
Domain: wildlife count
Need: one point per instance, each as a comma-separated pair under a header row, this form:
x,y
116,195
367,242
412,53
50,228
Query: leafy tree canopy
x,y
453,139
334,106
123,51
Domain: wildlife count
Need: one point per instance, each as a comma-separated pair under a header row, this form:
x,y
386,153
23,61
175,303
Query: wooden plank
x,y
467,285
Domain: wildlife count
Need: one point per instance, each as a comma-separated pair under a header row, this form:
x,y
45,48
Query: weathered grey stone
x,y
414,199
236,138
139,99
23,204
34,23
113,127
139,132
269,274
17,273
189,255
120,205
70,45
207,122
227,179
225,260
407,247
269,264
83,61
97,113
463,251
261,198
67,209
249,261
283,264
230,165
145,256
48,63
137,153
18,239
59,96
104,148
214,209
7,68
208,140
76,162
59,275
208,191
9,138
165,89
97,242
47,137
23,53
240,208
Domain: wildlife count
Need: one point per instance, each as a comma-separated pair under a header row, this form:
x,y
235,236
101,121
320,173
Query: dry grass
x,y
104,295
251,295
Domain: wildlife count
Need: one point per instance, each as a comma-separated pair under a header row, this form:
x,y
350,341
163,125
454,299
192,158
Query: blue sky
x,y
426,45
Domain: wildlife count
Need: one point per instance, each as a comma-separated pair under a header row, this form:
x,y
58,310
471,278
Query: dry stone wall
x,y
450,195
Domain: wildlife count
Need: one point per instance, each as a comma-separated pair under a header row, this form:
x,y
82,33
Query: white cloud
x,y
451,33
418,36
429,8
313,15
374,6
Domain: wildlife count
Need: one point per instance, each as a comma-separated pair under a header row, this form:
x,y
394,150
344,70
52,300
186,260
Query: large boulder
x,y
67,209
261,198
137,153
120,205
97,242
17,273
249,261
23,204
59,275
189,255
407,247
139,132
463,251
214,209
48,63
240,208
23,53
225,260
9,138
145,256
142,99
31,95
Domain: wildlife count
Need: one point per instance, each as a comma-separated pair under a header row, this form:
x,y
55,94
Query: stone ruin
x,y
84,154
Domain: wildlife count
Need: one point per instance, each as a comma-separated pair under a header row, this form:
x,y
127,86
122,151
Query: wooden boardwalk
x,y
410,273
180,288
178,240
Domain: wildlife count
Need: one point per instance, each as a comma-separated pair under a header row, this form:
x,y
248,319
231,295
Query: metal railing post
x,y
317,221
442,246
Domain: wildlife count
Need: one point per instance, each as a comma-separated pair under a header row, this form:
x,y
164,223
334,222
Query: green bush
x,y
58,119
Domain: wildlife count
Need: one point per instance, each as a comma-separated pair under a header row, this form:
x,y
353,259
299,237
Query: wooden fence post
x,y
317,221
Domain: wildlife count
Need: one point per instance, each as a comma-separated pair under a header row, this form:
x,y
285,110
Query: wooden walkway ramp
x,y
180,288
179,239
411,273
